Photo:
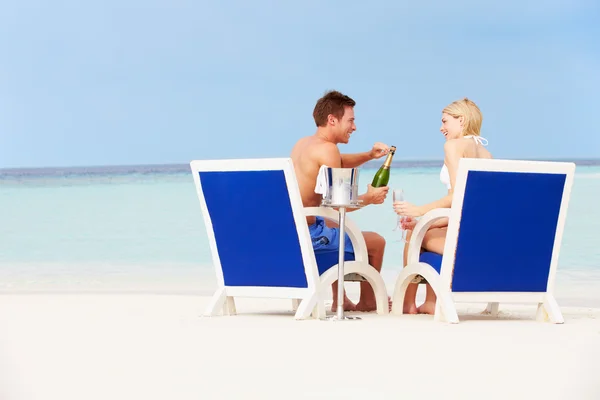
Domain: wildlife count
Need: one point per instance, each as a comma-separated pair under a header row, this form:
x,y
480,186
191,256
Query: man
x,y
334,117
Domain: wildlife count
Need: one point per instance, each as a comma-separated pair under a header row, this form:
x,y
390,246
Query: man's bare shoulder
x,y
317,142
327,153
324,147
316,149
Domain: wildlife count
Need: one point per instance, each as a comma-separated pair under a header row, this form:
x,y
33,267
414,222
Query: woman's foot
x,y
410,309
427,308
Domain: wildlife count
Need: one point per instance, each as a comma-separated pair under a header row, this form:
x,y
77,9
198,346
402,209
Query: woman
x,y
461,125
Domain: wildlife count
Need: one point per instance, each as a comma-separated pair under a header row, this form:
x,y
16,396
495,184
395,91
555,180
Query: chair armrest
x,y
414,247
353,231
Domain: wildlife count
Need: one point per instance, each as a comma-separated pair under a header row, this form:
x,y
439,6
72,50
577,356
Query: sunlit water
x,y
141,228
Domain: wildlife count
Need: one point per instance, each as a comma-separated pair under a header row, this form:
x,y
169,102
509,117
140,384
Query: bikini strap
x,y
478,139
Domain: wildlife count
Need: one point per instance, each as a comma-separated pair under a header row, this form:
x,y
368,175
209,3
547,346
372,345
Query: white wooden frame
x,y
306,301
441,283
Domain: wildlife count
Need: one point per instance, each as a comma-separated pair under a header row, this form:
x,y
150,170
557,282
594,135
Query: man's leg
x,y
348,304
375,249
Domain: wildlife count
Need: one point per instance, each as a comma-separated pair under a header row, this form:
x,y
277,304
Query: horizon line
x,y
371,163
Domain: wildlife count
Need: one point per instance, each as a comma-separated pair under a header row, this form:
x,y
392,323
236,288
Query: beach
x,y
104,278
158,346
110,254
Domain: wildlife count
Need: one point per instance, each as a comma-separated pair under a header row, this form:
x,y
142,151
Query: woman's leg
x,y
434,241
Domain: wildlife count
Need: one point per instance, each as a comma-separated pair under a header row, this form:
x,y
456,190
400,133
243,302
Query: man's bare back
x,y
307,156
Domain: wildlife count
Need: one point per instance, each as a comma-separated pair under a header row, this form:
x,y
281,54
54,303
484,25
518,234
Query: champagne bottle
x,y
382,177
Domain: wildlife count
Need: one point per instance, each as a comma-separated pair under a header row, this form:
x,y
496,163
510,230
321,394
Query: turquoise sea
x,y
140,228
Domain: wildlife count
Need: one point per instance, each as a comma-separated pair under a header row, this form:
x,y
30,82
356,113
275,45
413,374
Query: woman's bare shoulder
x,y
454,146
485,153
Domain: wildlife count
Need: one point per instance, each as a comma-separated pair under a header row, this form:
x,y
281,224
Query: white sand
x,y
146,347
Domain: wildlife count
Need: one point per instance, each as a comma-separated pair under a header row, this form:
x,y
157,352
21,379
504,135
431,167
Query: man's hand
x,y
379,150
376,195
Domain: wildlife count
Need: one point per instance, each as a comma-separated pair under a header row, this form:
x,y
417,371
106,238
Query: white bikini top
x,y
444,175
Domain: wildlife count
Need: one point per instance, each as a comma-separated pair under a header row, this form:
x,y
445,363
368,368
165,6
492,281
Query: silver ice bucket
x,y
342,186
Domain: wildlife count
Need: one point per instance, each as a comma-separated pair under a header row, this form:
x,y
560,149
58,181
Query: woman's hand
x,y
408,223
406,209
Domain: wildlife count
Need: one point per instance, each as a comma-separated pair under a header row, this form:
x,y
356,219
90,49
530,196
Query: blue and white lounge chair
x,y
260,241
504,235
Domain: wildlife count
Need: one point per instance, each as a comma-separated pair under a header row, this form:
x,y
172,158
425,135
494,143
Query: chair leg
x,y
319,311
376,281
229,307
307,307
444,307
400,291
295,304
406,277
448,311
492,308
216,304
541,315
549,311
371,276
439,312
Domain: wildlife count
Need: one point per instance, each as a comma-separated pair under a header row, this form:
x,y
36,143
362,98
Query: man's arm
x,y
354,160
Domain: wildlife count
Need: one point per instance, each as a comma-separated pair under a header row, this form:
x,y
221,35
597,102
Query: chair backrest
x,y
255,223
506,225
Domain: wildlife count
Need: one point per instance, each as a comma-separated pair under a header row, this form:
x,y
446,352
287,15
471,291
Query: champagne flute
x,y
398,195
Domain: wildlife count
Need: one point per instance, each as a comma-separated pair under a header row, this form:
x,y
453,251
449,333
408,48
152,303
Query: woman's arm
x,y
452,154
409,223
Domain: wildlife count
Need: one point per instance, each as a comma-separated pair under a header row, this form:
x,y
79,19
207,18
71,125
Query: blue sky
x,y
118,82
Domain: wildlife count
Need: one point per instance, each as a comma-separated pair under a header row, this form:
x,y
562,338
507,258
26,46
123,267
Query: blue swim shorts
x,y
325,238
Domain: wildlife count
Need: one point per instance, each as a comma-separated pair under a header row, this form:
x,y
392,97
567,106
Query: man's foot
x,y
427,308
410,309
368,306
348,306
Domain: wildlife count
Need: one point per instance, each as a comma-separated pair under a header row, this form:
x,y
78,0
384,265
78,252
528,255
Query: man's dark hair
x,y
333,102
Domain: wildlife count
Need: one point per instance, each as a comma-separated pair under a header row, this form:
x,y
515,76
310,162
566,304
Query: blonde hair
x,y
470,112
